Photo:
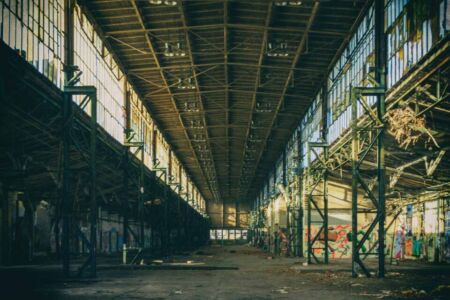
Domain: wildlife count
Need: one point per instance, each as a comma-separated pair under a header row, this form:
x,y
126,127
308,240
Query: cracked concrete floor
x,y
230,272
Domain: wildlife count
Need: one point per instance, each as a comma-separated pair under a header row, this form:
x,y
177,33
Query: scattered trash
x,y
178,292
393,274
412,292
383,294
190,262
441,288
356,284
305,264
329,274
282,290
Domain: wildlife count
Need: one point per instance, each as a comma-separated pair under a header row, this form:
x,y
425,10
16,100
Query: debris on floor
x,y
356,284
440,290
412,292
282,290
330,275
393,274
383,294
157,261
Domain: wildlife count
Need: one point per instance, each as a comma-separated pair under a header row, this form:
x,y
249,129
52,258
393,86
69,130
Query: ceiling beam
x,y
234,126
221,26
222,90
298,53
220,111
237,64
164,79
227,92
215,190
257,79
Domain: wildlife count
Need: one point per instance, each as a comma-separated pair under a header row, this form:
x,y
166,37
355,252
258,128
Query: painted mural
x,y
340,240
339,244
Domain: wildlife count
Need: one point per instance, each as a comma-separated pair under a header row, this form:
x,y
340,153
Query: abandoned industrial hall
x,y
224,149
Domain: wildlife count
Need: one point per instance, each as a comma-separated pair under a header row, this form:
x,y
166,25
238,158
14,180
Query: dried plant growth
x,y
407,127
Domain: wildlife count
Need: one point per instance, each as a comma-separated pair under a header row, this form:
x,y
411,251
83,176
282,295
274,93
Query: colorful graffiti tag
x,y
339,240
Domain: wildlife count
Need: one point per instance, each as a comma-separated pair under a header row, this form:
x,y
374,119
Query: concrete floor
x,y
230,272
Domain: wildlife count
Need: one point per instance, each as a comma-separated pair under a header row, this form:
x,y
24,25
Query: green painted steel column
x,y
300,217
93,188
6,223
325,205
380,77
66,196
355,146
141,198
324,126
126,158
308,201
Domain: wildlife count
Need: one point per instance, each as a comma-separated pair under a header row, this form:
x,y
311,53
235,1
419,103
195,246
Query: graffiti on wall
x,y
339,240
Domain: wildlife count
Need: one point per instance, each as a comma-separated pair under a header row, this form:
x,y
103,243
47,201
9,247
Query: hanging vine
x,y
417,12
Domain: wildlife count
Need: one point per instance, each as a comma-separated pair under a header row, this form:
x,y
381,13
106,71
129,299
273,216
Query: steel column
x,y
125,162
316,173
6,233
66,196
375,129
93,187
90,93
141,198
325,204
300,217
355,147
380,77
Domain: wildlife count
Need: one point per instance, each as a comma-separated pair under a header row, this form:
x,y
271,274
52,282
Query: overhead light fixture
x,y
196,124
173,50
201,148
170,2
263,107
277,49
280,3
179,51
165,2
191,107
254,139
270,50
185,84
168,50
287,3
199,138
